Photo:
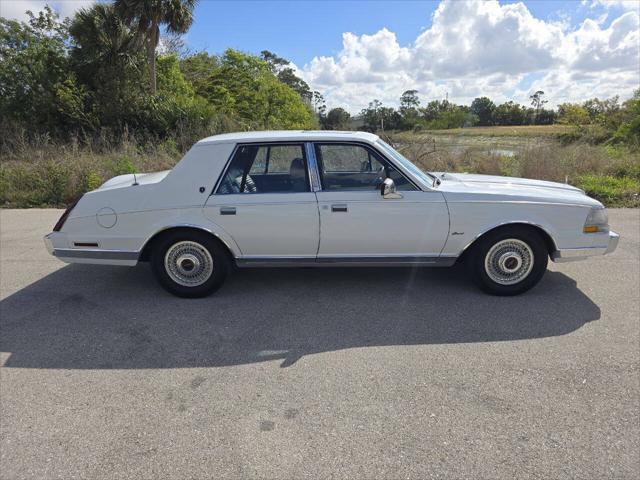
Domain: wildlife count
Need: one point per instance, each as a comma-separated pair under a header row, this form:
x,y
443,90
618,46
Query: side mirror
x,y
388,189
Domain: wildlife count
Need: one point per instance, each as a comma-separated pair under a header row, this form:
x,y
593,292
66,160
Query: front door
x,y
264,202
356,221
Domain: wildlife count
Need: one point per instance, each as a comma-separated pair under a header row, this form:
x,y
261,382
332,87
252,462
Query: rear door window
x,y
266,169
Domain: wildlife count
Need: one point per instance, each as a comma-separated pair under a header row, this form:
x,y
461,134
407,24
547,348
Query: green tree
x,y
434,109
628,132
337,119
319,105
147,16
280,68
483,108
370,116
33,67
573,114
198,68
409,99
276,64
241,87
100,37
509,113
106,57
409,104
537,102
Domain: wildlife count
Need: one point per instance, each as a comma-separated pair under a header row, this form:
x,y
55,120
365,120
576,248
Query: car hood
x,y
493,187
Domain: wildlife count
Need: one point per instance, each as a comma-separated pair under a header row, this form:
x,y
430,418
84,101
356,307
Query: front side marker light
x,y
597,221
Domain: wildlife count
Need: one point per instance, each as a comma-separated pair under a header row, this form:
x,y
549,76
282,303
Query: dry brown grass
x,y
52,175
46,174
578,164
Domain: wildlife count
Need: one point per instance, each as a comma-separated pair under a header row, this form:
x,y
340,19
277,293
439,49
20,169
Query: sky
x,y
355,51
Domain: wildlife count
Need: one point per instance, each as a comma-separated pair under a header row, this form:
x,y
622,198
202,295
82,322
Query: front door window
x,y
348,167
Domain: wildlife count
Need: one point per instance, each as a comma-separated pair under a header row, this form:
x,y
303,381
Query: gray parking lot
x,y
342,373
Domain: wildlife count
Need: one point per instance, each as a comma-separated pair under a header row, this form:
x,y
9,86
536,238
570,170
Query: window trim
x,y
302,145
367,147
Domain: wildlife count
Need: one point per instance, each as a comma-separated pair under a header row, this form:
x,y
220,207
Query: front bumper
x,y
573,254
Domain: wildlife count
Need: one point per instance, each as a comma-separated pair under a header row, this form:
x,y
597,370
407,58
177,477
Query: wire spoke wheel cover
x,y
188,263
509,261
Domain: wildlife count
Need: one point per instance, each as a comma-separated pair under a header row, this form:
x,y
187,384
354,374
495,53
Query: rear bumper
x,y
573,254
57,245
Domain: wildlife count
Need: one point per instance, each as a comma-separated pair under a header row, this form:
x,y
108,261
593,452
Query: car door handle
x,y
227,210
340,207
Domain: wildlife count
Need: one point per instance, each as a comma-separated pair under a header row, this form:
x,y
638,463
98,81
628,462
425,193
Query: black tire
x,y
192,247
509,249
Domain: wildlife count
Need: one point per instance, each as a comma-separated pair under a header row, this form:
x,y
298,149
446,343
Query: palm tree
x,y
101,38
146,17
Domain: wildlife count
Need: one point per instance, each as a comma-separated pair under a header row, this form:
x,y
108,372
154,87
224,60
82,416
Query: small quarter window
x,y
266,169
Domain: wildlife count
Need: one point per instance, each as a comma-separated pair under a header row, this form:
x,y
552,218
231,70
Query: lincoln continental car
x,y
302,198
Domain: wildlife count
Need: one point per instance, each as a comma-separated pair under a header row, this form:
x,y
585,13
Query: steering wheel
x,y
380,176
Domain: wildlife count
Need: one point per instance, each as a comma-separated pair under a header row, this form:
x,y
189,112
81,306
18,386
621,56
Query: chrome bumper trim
x,y
95,254
614,238
574,254
48,243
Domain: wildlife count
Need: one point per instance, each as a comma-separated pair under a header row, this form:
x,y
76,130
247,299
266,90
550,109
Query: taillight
x,y
63,218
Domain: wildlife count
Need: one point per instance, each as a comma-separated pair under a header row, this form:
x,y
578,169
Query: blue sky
x,y
357,51
300,30
562,47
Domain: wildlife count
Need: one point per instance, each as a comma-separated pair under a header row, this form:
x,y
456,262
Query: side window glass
x,y
266,169
354,167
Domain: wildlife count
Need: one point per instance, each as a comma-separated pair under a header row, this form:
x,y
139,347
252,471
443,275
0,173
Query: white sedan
x,y
301,198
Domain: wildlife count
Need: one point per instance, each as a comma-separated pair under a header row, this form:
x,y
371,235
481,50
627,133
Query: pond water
x,y
501,146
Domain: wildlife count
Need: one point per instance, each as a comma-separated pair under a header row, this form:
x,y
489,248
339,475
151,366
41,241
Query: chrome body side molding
x,y
352,261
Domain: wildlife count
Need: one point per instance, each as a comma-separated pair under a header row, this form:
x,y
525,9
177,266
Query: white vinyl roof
x,y
289,136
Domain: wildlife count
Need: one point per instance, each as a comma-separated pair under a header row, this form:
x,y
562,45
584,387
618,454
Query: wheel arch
x,y
145,251
546,236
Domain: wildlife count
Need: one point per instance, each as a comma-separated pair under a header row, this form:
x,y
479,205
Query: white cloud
x,y
15,9
484,48
609,4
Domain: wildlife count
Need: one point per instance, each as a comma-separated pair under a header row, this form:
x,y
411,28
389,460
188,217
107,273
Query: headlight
x,y
597,221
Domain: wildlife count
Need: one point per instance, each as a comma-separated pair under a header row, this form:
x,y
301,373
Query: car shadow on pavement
x,y
88,317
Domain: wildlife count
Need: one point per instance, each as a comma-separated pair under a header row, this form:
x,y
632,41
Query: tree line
x,y
442,114
110,71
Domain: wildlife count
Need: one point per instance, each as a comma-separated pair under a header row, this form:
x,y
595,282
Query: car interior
x,y
283,169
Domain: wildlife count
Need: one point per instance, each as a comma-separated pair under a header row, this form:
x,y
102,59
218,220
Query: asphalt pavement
x,y
316,373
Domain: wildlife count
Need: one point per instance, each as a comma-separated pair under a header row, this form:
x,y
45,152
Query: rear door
x,y
356,221
264,201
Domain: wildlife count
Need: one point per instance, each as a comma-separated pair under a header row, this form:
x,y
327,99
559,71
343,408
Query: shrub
x,y
610,190
92,181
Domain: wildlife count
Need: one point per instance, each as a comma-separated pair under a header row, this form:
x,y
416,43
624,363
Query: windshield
x,y
426,177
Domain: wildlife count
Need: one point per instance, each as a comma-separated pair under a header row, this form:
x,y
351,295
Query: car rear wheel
x,y
509,261
189,264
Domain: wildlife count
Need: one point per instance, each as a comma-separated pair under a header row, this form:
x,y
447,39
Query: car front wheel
x,y
509,261
189,264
